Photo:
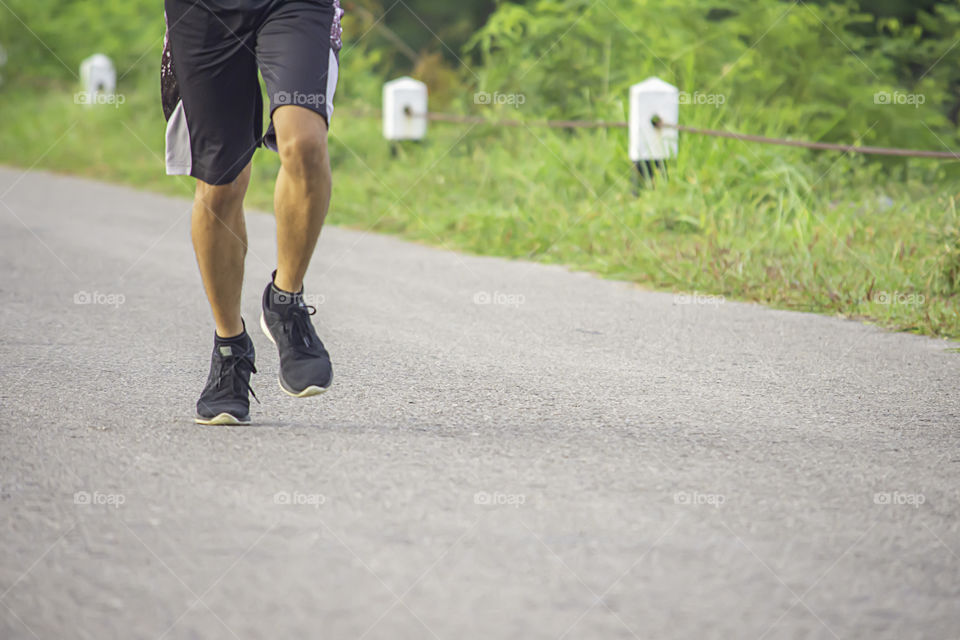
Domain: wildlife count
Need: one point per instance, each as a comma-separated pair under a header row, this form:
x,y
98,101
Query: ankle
x,y
286,284
231,331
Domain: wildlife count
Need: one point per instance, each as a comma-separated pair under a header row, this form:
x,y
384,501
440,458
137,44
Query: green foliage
x,y
419,26
923,46
794,66
47,39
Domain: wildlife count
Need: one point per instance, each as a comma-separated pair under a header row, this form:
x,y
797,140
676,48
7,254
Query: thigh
x,y
297,49
211,91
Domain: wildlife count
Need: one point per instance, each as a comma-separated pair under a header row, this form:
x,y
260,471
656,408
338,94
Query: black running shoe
x,y
224,400
305,368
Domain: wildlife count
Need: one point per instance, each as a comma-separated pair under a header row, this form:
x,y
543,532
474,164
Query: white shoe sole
x,y
312,390
222,419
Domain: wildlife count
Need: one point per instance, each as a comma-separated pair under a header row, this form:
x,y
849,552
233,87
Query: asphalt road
x,y
509,450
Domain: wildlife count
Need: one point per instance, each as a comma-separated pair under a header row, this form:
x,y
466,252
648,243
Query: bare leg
x,y
302,194
220,242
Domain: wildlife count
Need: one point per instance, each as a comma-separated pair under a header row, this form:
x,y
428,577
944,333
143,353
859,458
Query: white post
x,y
99,78
404,109
653,98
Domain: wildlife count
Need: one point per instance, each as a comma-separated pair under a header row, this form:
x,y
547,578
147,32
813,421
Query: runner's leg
x,y
297,53
220,242
212,102
302,194
211,99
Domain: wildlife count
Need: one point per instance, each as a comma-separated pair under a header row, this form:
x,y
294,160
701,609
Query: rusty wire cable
x,y
600,124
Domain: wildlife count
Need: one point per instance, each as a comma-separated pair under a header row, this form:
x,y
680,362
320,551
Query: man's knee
x,y
305,153
222,200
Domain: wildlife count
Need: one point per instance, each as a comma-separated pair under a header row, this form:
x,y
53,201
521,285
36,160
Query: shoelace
x,y
300,320
231,370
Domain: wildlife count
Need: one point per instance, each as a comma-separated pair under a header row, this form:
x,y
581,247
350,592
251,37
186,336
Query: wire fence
x,y
820,146
433,116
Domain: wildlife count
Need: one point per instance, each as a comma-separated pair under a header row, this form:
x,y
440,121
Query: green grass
x,y
826,233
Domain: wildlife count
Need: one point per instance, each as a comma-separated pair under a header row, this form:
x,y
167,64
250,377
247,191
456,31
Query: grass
x,y
825,233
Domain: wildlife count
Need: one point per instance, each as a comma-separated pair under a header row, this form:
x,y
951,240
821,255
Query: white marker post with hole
x,y
404,109
99,78
651,146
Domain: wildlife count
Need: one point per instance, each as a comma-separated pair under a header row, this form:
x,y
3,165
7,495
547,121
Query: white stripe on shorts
x,y
179,154
333,71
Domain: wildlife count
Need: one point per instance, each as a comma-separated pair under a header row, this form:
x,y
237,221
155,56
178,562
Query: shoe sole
x,y
311,390
222,419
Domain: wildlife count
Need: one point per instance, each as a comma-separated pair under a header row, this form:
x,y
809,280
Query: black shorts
x,y
208,79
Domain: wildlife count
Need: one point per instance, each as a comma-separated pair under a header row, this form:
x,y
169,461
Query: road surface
x,y
509,450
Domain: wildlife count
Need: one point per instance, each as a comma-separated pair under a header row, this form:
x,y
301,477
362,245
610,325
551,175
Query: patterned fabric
x,y
336,29
169,92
